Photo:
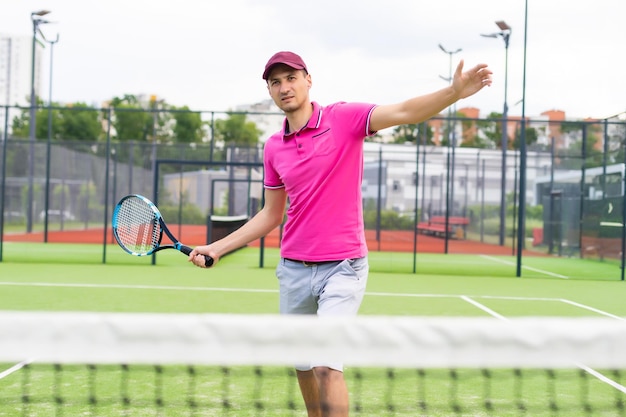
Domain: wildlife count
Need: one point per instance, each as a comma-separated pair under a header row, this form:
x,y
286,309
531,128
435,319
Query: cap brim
x,y
269,69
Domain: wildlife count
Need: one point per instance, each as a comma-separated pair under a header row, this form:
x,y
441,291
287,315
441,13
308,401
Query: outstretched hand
x,y
471,81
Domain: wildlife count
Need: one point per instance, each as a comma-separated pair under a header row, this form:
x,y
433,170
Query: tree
x,y
531,137
449,126
237,131
476,142
617,144
491,128
471,134
20,125
404,133
73,122
573,155
77,122
44,116
409,134
189,127
130,121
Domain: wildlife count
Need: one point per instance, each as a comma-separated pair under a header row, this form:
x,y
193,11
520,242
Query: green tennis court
x,y
63,277
70,277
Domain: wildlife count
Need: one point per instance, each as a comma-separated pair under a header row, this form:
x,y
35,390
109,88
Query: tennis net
x,y
107,364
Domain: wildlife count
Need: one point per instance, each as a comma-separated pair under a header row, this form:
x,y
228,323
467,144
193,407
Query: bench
x,y
453,220
436,226
434,229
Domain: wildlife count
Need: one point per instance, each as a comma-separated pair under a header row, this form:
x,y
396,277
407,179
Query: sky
x,y
209,55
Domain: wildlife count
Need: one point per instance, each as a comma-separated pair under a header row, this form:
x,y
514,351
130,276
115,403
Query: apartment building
x,y
16,70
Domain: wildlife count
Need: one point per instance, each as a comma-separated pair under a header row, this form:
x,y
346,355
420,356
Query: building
x,y
393,174
16,70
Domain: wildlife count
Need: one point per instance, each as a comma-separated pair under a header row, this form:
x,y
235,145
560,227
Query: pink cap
x,y
287,58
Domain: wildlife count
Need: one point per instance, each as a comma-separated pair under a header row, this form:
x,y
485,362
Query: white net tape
x,y
284,340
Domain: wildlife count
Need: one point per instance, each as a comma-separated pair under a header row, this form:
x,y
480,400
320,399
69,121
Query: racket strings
x,y
138,228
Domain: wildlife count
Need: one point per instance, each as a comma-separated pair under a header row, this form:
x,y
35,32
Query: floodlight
x,y
40,13
502,25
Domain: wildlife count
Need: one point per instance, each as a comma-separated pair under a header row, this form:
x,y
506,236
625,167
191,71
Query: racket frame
x,y
157,217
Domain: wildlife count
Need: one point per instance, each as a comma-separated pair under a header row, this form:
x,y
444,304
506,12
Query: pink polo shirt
x,y
321,169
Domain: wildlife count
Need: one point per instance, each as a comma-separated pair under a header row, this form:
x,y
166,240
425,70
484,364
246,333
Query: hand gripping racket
x,y
138,228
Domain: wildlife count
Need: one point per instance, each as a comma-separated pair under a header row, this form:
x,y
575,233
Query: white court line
x,y
602,378
134,287
541,271
410,295
484,308
15,368
253,290
584,367
516,298
595,310
454,261
562,300
270,291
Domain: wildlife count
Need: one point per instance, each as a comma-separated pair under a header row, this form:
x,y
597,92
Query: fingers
x,y
459,69
484,73
197,256
201,261
194,252
479,72
479,76
471,81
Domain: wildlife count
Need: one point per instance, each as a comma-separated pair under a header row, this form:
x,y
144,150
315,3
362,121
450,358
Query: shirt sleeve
x,y
357,115
271,179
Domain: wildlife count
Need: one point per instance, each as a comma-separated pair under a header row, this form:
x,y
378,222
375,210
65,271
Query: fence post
x,y
4,172
106,187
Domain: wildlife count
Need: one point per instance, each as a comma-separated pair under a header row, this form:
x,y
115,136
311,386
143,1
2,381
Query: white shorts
x,y
326,289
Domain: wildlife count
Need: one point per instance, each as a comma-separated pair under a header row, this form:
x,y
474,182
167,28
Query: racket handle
x,y
208,261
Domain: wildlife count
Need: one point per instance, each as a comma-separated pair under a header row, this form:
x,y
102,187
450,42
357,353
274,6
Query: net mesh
x,y
215,365
136,226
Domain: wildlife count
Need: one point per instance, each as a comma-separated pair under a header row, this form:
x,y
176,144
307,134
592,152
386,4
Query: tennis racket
x,y
138,228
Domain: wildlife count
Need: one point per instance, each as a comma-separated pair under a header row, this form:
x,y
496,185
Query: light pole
x,y
451,144
35,17
505,34
522,151
48,143
52,43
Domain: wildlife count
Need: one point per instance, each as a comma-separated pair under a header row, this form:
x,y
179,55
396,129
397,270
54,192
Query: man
x,y
316,161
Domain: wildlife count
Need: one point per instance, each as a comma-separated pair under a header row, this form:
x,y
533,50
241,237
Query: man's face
x,y
289,88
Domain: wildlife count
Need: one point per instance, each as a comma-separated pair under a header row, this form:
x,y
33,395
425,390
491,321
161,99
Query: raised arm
x,y
266,220
421,108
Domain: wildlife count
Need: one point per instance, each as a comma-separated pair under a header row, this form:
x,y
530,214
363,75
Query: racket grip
x,y
208,261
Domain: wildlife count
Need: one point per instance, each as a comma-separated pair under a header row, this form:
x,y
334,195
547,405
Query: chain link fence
x,y
417,196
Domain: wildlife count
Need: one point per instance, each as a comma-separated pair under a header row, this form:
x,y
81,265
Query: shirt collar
x,y
313,123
